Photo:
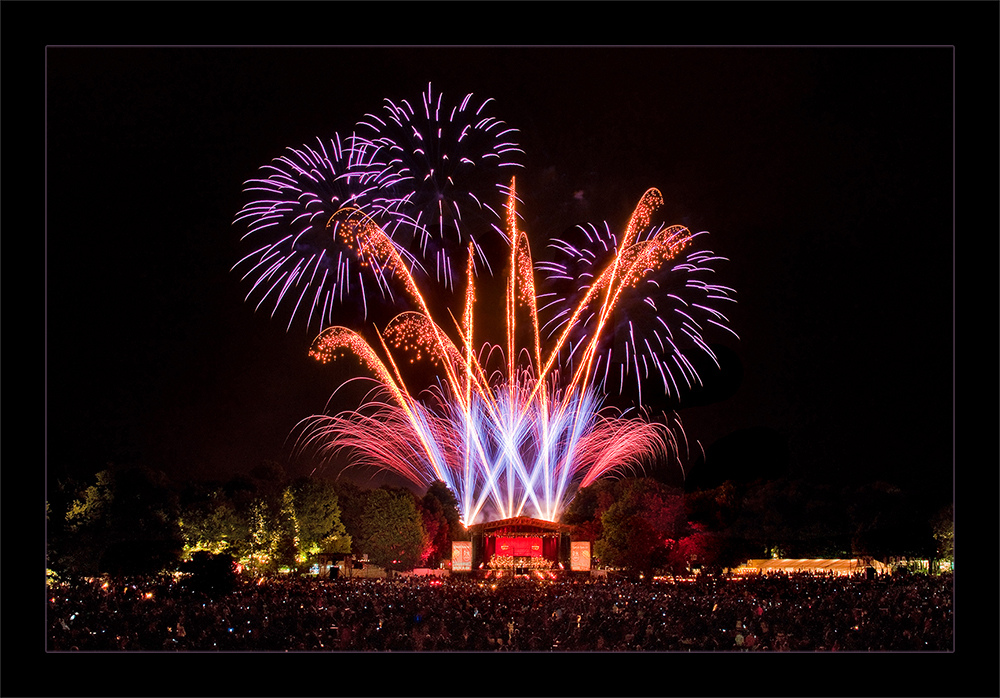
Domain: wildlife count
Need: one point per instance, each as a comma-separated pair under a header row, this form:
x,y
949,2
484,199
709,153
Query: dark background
x,y
825,176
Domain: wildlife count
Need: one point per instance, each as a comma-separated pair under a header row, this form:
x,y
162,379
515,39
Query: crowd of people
x,y
779,612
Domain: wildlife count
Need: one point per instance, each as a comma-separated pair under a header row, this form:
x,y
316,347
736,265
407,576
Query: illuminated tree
x,y
437,537
263,540
288,554
210,522
317,511
94,503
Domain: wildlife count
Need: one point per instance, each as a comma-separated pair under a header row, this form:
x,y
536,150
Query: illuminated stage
x,y
520,546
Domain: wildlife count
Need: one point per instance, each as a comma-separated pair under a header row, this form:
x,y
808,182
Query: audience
x,y
778,612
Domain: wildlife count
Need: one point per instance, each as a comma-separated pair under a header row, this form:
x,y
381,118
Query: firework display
x,y
399,211
438,167
427,175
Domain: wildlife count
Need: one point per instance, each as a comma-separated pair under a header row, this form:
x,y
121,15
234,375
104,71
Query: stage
x,y
519,546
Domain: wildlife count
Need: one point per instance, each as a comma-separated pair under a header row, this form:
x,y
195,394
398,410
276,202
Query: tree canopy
x,y
126,523
134,520
393,533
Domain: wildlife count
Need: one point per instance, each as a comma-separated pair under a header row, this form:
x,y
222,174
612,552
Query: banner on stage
x,y
522,546
579,555
461,555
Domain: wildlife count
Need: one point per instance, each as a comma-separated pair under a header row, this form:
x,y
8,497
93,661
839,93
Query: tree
x,y
287,539
442,522
94,504
263,539
889,522
79,544
943,525
393,533
587,507
590,502
439,491
769,519
352,501
269,477
273,533
642,527
437,543
210,522
264,520
211,573
127,522
317,509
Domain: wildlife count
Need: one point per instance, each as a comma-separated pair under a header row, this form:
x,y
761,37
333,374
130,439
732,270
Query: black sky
x,y
825,176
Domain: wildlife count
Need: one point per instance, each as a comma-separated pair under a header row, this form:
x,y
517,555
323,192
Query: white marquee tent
x,y
813,565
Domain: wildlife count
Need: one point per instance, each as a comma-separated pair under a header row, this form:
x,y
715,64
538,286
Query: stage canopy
x,y
519,526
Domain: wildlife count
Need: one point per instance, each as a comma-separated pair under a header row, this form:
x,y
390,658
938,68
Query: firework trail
x,y
666,285
512,429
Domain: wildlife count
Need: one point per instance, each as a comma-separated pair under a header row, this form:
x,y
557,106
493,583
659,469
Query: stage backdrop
x,y
522,546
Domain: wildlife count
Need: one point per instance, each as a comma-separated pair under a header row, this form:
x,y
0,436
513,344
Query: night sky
x,y
827,176
824,175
